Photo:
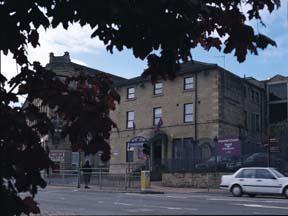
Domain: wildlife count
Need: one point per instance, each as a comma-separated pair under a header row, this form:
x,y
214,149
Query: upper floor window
x,y
245,119
252,95
158,88
278,92
188,83
157,115
188,112
257,97
130,93
130,119
257,119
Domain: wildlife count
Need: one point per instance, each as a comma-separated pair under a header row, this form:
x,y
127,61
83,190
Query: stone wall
x,y
193,180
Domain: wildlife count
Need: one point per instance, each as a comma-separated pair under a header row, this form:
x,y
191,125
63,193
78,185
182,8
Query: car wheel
x,y
285,192
236,191
251,195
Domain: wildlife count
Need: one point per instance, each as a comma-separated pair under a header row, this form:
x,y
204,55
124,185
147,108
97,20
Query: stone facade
x,y
60,149
222,106
193,180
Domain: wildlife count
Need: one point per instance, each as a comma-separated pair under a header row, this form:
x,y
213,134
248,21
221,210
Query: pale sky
x,y
92,53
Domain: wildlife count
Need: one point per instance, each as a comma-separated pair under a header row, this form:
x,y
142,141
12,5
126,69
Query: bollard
x,y
145,180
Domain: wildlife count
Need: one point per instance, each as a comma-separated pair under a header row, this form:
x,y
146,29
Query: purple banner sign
x,y
229,147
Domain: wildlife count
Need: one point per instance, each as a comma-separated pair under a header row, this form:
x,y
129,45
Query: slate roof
x,y
185,68
78,67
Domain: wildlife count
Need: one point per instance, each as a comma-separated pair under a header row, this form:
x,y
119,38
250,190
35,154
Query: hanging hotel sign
x,y
137,141
229,147
57,156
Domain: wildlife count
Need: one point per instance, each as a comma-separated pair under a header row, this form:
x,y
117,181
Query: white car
x,y
255,180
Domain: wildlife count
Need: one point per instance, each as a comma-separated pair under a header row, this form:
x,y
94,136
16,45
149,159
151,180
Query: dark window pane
x,y
157,114
131,93
188,83
158,88
264,174
178,151
130,119
278,112
278,92
249,173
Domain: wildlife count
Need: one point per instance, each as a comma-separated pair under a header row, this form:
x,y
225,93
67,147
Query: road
x,y
63,201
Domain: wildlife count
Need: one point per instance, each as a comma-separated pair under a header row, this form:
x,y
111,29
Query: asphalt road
x,y
63,201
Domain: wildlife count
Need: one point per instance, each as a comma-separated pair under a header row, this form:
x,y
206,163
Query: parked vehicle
x,y
261,159
223,162
255,180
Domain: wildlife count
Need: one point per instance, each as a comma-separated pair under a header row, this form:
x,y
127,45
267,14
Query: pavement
x,y
60,201
156,188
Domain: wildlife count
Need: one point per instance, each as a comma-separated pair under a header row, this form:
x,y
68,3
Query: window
x,y
129,154
278,112
245,119
130,93
252,95
246,173
257,119
263,174
130,119
257,98
188,112
182,148
178,151
253,122
278,92
188,83
157,114
158,87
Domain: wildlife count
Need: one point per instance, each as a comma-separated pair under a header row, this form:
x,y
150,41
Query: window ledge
x,y
188,123
131,99
158,95
188,90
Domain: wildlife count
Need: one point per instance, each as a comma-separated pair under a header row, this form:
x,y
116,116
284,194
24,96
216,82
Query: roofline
x,y
145,80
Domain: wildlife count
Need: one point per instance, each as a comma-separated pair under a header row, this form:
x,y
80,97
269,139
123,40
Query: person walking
x,y
87,171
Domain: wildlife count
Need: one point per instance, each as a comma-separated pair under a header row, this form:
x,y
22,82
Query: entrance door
x,y
156,173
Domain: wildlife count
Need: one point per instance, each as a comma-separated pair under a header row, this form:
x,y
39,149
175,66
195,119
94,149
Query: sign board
x,y
57,156
273,142
137,141
75,158
229,147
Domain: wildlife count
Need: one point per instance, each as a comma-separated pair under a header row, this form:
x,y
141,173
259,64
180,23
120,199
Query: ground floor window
x,y
183,148
129,153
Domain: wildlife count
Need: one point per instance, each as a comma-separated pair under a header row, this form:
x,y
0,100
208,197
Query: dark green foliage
x,y
82,102
173,27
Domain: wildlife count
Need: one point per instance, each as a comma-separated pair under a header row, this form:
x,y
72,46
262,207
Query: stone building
x,y
60,149
181,120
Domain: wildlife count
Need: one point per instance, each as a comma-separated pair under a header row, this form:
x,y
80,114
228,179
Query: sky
x,y
92,52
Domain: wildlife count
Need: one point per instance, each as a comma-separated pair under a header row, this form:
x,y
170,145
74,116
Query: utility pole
x,y
269,156
79,169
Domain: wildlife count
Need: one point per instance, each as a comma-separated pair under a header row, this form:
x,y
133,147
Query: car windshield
x,y
278,174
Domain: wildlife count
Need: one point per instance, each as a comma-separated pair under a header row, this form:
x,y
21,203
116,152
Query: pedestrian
x,y
87,170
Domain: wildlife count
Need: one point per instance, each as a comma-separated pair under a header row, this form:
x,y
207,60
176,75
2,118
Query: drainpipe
x,y
195,108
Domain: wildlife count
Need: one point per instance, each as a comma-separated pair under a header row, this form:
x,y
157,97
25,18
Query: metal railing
x,y
198,166
100,177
